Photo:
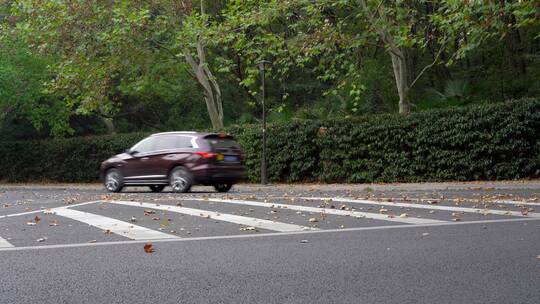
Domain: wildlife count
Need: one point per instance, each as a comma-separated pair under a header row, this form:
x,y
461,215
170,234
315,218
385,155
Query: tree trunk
x,y
109,125
212,92
399,67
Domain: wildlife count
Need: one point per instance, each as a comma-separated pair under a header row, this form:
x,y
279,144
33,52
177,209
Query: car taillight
x,y
207,155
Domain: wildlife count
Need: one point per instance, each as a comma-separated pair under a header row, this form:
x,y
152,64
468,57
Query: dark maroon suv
x,y
177,159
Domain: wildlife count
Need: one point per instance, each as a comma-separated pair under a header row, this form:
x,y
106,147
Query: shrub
x,y
483,142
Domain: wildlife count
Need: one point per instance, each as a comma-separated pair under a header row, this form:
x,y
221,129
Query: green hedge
x,y
487,142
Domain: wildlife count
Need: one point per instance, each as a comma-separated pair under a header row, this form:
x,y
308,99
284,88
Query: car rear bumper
x,y
213,175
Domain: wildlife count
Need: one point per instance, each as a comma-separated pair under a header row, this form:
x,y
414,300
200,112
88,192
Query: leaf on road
x,y
148,248
37,219
313,220
403,215
248,228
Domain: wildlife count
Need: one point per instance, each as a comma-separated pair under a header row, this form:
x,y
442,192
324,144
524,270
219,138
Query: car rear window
x,y
223,143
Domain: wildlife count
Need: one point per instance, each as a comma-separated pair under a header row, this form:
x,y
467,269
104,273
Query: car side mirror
x,y
131,152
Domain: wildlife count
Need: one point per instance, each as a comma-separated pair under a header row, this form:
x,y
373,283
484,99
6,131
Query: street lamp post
x,y
262,67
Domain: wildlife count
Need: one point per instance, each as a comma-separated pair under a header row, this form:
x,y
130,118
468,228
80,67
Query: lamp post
x,y
262,68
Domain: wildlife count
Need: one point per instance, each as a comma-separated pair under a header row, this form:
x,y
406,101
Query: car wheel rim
x,y
112,181
179,182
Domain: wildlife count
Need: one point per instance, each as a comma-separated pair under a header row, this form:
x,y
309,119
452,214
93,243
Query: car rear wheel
x,y
223,187
157,188
180,180
114,181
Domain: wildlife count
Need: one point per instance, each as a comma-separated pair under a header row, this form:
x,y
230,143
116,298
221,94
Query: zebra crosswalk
x,y
239,216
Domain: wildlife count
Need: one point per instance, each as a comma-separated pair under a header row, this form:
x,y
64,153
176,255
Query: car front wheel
x,y
223,187
114,181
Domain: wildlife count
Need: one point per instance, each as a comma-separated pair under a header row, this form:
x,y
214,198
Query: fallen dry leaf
x,y
148,248
92,241
37,219
313,220
249,228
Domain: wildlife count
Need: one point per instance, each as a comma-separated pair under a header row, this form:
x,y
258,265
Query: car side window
x,y
183,142
144,146
164,143
169,142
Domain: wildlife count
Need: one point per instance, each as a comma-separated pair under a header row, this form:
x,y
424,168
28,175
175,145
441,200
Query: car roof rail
x,y
175,132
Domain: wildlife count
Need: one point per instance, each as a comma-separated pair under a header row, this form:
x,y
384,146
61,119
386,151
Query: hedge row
x,y
487,142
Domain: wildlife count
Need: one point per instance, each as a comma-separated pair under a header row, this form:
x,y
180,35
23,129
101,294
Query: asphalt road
x,y
414,243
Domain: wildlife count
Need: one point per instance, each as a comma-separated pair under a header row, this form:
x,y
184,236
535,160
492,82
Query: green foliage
x,y
63,160
124,61
482,142
22,75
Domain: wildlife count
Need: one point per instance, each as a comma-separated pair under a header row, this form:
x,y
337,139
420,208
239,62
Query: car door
x,y
136,164
167,151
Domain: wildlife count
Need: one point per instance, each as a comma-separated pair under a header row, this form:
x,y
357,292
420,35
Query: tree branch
x,y
427,67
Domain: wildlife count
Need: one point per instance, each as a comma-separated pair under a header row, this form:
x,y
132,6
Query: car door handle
x,y
144,158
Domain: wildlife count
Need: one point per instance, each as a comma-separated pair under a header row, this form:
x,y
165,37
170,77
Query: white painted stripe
x,y
42,210
492,201
368,215
231,218
273,234
4,243
431,207
510,202
125,229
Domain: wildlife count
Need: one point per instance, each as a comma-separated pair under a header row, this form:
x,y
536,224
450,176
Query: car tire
x,y
223,187
114,181
180,180
157,188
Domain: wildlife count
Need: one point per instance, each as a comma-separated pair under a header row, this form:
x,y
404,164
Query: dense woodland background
x,y
78,67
